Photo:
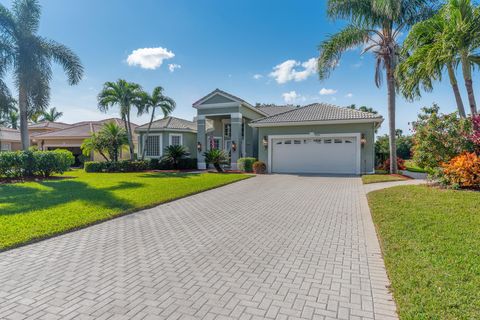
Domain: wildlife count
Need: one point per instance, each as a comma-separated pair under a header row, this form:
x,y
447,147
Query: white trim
x,y
68,145
310,123
356,135
175,134
217,105
211,95
160,140
235,103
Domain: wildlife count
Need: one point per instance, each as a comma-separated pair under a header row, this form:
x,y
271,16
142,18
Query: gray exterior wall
x,y
368,129
189,140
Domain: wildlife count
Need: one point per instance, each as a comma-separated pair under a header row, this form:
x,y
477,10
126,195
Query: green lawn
x,y
34,210
413,167
374,178
431,244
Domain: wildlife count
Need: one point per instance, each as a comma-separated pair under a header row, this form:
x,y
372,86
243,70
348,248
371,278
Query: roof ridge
x,y
356,110
281,113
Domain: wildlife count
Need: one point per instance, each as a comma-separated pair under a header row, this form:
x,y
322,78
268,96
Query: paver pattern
x,y
270,247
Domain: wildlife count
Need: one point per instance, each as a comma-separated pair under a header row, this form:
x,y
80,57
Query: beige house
x,y
70,137
10,139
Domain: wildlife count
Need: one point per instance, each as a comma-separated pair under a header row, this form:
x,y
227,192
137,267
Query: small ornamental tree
x,y
475,135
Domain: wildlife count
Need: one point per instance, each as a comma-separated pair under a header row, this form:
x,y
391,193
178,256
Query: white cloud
x,y
257,76
349,95
290,97
173,66
325,91
288,70
149,58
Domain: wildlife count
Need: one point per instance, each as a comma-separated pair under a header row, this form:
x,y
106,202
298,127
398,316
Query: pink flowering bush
x,y
475,136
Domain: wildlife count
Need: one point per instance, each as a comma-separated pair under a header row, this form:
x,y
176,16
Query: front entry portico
x,y
222,123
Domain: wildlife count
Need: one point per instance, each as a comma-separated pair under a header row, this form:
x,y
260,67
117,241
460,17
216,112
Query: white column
x,y
236,122
201,138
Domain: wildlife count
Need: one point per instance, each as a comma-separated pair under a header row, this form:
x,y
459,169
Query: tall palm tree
x,y
124,95
51,115
154,101
31,55
376,24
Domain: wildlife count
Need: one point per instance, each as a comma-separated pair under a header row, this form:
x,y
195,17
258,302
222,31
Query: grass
x,y
430,239
374,178
413,167
35,210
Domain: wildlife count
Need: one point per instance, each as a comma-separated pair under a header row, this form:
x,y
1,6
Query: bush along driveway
x,y
35,210
430,239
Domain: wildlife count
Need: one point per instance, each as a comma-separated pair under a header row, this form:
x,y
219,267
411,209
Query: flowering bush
x,y
386,164
475,136
463,171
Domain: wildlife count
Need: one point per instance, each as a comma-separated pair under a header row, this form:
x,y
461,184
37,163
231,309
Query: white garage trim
x,y
332,135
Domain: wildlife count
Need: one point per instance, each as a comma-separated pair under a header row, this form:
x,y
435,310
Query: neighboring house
x,y
10,139
72,136
317,138
166,132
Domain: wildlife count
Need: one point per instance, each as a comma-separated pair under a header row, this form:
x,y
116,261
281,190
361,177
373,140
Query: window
x,y
288,142
176,139
5,146
279,142
227,131
297,141
317,141
243,129
327,141
337,141
215,143
348,141
152,146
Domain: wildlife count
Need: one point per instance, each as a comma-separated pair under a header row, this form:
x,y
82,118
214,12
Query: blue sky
x,y
231,45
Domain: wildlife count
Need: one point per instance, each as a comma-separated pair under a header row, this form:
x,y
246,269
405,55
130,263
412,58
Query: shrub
x,y
439,137
246,164
463,171
174,154
382,147
164,164
386,164
216,158
259,167
117,166
94,166
11,164
49,162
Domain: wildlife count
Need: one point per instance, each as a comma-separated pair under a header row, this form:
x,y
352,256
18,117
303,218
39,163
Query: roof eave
x,y
317,122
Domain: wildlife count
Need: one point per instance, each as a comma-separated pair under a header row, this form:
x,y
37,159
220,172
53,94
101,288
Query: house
x,y
317,138
10,139
70,137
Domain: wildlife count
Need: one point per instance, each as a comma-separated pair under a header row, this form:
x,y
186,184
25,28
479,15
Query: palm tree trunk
x,y
22,106
391,117
467,76
130,139
148,133
456,91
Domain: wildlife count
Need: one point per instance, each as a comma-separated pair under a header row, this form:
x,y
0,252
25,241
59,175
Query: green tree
x,y
31,55
51,115
150,104
439,137
109,140
362,108
376,24
174,154
124,95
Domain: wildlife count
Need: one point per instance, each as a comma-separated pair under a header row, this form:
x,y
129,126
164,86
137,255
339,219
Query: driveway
x,y
270,247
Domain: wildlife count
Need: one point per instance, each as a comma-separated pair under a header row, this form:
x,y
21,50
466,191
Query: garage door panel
x,y
315,155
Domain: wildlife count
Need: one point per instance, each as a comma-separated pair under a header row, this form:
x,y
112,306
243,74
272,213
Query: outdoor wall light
x,y
363,140
265,142
234,146
199,147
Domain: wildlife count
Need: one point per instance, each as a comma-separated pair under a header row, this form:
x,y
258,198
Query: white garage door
x,y
315,155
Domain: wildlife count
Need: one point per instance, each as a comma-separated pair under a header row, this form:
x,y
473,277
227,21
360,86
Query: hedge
x,y
139,165
21,164
246,164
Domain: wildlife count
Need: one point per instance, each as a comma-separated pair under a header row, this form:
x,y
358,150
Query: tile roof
x,y
171,123
318,112
9,134
80,130
49,124
273,110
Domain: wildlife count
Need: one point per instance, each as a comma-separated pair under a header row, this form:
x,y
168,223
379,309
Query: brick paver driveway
x,y
271,247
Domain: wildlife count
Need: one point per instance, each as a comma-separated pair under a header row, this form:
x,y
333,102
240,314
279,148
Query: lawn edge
x,y
406,179
121,214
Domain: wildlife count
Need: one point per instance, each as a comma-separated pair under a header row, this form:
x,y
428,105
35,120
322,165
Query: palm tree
x,y
125,95
96,143
31,55
154,101
173,154
376,24
109,140
51,115
217,158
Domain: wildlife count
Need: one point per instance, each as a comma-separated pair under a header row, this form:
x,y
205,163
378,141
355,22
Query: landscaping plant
x,y
463,171
217,158
246,164
174,154
259,167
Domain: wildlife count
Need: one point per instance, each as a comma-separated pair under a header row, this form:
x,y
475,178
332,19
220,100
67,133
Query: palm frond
x,y
66,58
